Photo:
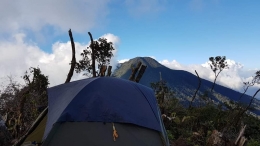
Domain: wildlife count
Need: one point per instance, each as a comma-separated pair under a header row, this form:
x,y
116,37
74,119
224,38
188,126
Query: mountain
x,y
183,83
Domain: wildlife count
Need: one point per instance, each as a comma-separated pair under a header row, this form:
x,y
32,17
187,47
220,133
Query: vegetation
x,y
21,104
217,64
197,125
99,51
202,125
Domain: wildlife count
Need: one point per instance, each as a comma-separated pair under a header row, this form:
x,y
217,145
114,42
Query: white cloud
x,y
232,78
152,57
116,41
80,15
172,64
123,60
17,56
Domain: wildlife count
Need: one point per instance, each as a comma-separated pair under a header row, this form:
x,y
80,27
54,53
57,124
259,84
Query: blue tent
x,y
89,111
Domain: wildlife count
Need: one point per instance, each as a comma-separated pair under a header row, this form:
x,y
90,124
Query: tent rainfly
x,y
99,111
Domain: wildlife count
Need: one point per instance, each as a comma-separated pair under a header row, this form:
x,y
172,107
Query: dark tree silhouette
x,y
194,96
257,77
247,85
73,61
256,80
23,104
242,110
217,64
163,93
100,52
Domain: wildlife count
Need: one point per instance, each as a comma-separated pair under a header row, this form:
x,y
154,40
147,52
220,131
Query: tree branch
x,y
109,71
140,74
251,100
197,88
73,61
93,55
134,71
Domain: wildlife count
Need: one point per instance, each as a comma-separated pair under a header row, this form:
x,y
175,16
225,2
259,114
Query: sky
x,y
180,34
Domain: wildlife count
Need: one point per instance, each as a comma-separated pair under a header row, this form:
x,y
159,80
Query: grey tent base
x,y
101,134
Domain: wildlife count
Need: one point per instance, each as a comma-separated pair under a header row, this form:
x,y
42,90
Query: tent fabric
x,y
103,99
36,131
65,93
37,134
100,134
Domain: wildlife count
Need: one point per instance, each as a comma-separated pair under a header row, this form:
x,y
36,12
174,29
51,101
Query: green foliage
x,y
37,85
253,127
102,52
217,64
170,135
196,124
253,142
23,104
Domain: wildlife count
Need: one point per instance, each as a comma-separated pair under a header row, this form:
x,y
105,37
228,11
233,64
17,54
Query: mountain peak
x,y
183,83
125,68
148,61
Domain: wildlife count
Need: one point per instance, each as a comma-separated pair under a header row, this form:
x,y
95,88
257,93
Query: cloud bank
x,y
232,78
79,15
18,56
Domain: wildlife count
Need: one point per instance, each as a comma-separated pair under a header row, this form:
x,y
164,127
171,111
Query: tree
x,y
257,79
23,104
99,51
141,68
248,84
163,94
217,64
194,96
73,60
37,85
242,110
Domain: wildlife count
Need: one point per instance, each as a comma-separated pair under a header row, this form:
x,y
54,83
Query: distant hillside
x,y
182,82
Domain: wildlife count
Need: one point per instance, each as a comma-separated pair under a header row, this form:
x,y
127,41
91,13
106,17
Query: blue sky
x,y
187,31
181,34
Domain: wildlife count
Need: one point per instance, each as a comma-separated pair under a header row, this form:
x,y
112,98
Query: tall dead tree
x,y
102,71
92,46
73,61
140,74
194,96
135,70
217,65
99,52
109,71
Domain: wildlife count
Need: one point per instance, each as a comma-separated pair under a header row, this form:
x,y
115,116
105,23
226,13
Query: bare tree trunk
x,y
134,71
103,70
73,61
243,93
213,85
109,71
140,74
252,99
242,141
196,90
240,114
241,133
93,55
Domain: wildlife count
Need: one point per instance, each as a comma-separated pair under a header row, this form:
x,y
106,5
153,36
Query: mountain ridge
x,y
182,82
